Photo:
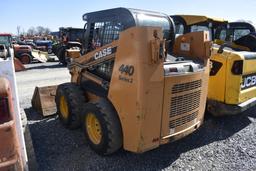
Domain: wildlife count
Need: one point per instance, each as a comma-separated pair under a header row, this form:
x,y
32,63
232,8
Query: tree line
x,y
32,31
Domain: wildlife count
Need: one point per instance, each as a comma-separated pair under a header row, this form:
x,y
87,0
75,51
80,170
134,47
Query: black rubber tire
x,y
55,49
61,55
112,137
49,51
25,59
75,98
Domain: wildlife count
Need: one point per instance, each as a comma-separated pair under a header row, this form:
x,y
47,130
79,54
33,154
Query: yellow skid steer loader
x,y
137,86
232,86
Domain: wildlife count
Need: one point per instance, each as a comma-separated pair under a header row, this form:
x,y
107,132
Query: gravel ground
x,y
227,143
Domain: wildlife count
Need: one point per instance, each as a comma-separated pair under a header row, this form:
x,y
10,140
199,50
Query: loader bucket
x,y
40,56
18,65
43,100
9,153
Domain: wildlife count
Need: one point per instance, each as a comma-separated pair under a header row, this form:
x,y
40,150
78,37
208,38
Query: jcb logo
x,y
248,81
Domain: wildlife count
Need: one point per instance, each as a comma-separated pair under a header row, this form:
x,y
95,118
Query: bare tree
x,y
47,31
23,31
31,31
18,30
40,30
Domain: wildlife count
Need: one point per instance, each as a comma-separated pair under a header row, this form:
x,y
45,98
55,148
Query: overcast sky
x,y
68,13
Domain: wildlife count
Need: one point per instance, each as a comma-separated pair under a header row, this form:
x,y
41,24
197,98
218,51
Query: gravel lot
x,y
227,143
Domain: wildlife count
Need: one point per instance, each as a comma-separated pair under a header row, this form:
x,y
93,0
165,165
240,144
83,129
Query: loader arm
x,y
86,63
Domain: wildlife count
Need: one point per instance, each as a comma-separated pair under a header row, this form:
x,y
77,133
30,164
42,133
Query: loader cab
x,y
193,23
233,31
103,27
6,40
73,34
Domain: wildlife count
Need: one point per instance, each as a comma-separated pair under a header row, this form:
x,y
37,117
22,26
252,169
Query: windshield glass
x,y
238,33
5,40
232,34
196,28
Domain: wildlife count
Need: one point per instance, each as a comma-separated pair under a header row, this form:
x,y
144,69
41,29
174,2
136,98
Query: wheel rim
x,y
93,128
63,107
25,59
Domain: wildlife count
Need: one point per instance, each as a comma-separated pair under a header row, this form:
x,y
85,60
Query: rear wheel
x,y
49,51
61,55
25,59
93,128
102,127
70,100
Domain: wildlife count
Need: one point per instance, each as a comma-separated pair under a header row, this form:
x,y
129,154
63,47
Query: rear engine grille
x,y
186,86
183,120
188,102
185,103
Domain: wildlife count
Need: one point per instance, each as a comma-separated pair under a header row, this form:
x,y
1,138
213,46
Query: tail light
x,y
4,109
173,69
237,68
215,67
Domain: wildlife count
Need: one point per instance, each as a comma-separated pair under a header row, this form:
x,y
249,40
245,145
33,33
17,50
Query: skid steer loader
x,y
232,84
136,87
69,43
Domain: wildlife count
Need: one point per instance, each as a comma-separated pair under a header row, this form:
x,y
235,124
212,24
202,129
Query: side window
x,y
104,69
223,35
196,28
105,32
238,33
111,32
179,29
97,35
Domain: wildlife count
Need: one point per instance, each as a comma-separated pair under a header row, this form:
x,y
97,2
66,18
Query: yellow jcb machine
x,y
136,87
232,83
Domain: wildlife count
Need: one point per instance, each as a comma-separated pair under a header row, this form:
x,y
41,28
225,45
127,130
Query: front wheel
x,y
70,100
49,51
102,128
61,55
25,59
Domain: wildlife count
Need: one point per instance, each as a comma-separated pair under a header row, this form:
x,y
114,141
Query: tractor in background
x,y
31,43
46,43
23,53
26,54
71,40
